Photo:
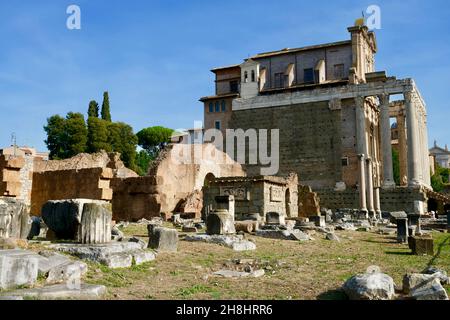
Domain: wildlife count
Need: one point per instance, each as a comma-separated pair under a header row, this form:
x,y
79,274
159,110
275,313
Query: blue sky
x,y
154,57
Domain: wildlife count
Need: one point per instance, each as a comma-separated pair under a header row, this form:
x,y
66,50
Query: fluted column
x,y
362,184
413,141
402,146
377,203
370,191
386,143
361,148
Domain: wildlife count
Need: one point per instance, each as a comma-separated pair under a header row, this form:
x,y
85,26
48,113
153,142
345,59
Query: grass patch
x,y
195,289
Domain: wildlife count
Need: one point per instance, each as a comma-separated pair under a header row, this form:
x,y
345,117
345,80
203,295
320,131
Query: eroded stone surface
x,y
60,292
370,286
236,243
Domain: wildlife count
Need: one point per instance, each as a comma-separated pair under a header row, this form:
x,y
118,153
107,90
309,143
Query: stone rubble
x,y
237,243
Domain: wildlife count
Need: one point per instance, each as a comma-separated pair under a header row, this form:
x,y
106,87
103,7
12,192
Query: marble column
x,y
377,203
402,146
370,190
361,149
427,178
386,142
413,141
362,184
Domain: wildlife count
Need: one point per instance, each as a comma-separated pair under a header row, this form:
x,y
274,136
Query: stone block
x,y
117,260
220,222
143,256
318,221
17,271
402,230
275,218
421,246
163,239
68,272
15,221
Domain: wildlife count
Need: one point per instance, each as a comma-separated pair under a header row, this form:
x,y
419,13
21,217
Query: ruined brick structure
x,y
171,183
333,111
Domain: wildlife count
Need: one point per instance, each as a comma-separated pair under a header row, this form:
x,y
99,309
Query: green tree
x,y
122,139
436,182
106,112
97,135
396,166
75,134
151,138
143,161
93,109
55,137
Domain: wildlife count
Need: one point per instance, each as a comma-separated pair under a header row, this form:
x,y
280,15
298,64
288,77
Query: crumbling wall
x,y
10,183
92,183
178,171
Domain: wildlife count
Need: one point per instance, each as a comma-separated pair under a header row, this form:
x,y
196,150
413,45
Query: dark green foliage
x,y
106,112
93,109
122,139
396,166
55,142
98,135
66,137
151,138
143,160
440,179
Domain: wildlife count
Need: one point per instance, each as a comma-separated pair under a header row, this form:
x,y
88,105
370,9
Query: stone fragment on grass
x,y
370,286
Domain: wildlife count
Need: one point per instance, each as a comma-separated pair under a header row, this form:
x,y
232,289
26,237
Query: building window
x,y
217,106
211,107
234,87
217,125
279,80
253,76
308,75
224,106
345,162
338,71
245,76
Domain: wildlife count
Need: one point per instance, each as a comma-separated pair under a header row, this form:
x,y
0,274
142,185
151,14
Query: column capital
x,y
408,96
361,157
384,99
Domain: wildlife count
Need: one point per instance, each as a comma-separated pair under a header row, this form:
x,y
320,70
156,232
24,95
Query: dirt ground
x,y
294,270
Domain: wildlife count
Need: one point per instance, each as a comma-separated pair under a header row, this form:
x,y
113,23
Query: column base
x,y
414,183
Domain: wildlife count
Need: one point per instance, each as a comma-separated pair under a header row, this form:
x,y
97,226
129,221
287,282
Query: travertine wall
x,y
91,183
401,198
310,139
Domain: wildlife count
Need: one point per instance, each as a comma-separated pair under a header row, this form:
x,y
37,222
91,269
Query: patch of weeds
x,y
144,267
216,295
196,289
175,273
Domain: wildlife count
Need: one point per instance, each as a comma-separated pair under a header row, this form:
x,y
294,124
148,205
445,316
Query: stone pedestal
x,y
402,230
220,222
162,239
421,246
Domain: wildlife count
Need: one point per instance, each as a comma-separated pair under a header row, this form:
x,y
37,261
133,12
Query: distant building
x,y
24,151
441,155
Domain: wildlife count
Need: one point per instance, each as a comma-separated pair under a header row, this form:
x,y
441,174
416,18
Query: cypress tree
x,y
93,109
106,112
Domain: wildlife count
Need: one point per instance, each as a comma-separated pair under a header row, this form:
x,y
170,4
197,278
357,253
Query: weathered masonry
x,y
333,111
